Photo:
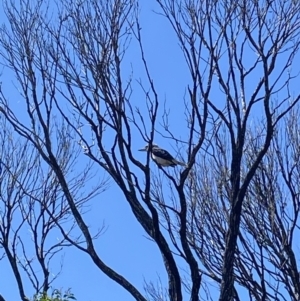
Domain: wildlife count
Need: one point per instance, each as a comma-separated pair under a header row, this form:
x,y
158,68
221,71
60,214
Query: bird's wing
x,y
161,153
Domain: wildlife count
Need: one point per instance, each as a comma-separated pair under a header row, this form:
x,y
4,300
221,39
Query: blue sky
x,y
123,246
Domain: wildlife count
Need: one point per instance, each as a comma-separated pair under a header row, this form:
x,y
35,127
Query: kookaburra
x,y
161,157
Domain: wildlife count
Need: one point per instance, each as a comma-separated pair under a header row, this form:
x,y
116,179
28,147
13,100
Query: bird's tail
x,y
180,163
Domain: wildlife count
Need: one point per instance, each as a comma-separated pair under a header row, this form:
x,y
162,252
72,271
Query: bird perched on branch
x,y
161,157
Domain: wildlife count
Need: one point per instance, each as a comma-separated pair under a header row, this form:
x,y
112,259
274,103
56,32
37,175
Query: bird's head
x,y
147,147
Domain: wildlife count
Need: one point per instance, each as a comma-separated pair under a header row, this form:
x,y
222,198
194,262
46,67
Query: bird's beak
x,y
142,149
